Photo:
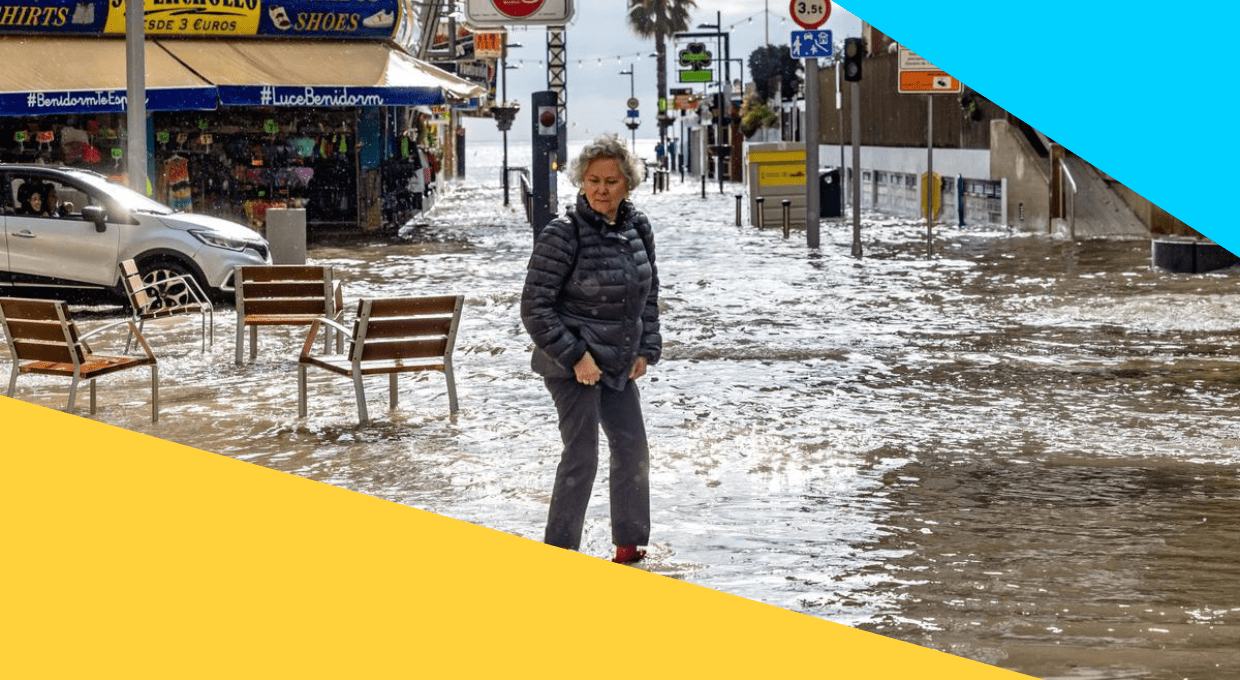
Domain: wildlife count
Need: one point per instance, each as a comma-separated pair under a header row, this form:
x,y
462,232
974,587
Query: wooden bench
x,y
390,336
284,295
44,340
173,296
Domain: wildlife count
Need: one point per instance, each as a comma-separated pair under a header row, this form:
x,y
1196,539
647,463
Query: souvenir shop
x,y
350,169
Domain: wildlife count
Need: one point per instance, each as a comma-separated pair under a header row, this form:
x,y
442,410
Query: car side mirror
x,y
97,214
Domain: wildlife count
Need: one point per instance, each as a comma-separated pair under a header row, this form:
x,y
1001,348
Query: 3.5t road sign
x,y
810,14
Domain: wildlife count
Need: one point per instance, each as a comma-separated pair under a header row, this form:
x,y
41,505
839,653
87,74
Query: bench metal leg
x,y
392,390
13,377
362,416
72,393
301,390
93,408
253,343
154,393
451,379
240,342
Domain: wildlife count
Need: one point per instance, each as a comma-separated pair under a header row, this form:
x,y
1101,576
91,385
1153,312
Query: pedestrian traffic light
x,y
854,53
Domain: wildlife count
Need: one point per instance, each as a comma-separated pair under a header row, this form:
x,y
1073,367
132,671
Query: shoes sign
x,y
810,14
495,13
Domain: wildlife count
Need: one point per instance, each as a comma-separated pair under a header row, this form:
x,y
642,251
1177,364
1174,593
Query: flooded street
x,y
1020,450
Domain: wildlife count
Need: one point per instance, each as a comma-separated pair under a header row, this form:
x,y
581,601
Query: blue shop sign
x,y
308,96
104,101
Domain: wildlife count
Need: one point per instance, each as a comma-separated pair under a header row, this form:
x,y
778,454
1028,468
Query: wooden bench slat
x,y
444,304
37,330
31,310
44,351
299,306
405,349
285,272
283,290
403,327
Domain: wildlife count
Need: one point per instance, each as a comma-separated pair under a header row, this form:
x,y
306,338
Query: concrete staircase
x,y
1100,212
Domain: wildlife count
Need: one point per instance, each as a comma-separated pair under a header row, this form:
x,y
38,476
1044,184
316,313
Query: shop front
x,y
313,109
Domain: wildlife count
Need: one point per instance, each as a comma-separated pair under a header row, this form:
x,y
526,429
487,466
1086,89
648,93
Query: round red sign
x,y
810,14
517,9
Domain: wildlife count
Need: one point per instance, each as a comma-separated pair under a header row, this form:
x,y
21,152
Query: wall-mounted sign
x,y
492,13
489,44
373,19
918,76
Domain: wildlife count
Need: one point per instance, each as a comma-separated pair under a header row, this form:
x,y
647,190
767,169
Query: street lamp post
x,y
505,113
721,45
632,122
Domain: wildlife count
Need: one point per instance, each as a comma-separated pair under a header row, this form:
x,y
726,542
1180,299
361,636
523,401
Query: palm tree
x,y
660,19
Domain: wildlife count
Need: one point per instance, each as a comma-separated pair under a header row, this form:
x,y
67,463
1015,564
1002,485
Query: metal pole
x,y
839,108
813,209
855,91
135,103
629,122
503,61
787,206
931,186
760,215
738,209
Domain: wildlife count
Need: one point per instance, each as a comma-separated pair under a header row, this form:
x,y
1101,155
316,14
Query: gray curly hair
x,y
607,146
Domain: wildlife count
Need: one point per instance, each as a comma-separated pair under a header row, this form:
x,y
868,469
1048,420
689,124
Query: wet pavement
x,y
1019,450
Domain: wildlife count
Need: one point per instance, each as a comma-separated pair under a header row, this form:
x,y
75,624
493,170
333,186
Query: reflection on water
x,y
1019,450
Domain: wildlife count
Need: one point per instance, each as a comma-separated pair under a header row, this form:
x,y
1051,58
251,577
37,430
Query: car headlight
x,y
218,240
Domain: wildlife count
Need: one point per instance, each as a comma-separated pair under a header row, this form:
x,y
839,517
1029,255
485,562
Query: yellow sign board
x,y
777,156
782,174
191,17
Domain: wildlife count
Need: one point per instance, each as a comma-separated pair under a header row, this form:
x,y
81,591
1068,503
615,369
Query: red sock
x,y
628,553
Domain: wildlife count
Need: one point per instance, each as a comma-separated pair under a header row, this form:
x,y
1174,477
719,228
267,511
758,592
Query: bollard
x,y
738,209
787,216
703,185
761,221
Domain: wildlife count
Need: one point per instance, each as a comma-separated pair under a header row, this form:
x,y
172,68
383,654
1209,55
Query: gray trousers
x,y
582,409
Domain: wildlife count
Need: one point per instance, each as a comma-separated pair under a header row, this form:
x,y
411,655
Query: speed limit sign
x,y
810,14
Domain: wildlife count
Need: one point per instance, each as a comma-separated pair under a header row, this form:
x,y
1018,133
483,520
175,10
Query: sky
x,y
600,45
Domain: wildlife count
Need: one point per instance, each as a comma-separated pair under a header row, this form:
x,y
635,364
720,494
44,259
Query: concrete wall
x,y
891,181
1027,176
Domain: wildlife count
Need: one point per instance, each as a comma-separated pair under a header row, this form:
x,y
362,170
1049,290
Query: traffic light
x,y
854,53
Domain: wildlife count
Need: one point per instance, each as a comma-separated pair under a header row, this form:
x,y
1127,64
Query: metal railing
x,y
1067,200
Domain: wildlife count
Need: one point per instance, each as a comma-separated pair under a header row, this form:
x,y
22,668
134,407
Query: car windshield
x,y
123,195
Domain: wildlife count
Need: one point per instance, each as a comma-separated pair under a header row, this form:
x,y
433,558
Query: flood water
x,y
1019,450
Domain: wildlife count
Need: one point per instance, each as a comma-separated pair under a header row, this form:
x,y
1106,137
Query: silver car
x,y
70,228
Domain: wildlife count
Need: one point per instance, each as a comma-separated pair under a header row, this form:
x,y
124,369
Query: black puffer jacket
x,y
593,286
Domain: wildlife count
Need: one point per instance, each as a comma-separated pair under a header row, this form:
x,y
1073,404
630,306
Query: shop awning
x,y
317,73
47,75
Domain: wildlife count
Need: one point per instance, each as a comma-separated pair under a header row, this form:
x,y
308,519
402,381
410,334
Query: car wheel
x,y
167,285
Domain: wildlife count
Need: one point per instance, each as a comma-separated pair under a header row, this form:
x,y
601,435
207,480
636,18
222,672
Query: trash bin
x,y
830,193
776,171
286,234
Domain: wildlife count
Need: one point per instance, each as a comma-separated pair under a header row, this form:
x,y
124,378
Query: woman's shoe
x,y
626,554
